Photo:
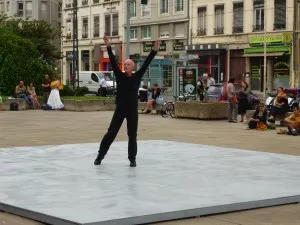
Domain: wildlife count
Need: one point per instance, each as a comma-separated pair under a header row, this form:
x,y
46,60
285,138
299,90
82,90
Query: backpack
x,y
14,106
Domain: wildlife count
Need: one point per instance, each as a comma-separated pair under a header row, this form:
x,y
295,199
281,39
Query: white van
x,y
91,80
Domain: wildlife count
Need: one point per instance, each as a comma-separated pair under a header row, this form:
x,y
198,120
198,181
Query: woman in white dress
x,y
54,97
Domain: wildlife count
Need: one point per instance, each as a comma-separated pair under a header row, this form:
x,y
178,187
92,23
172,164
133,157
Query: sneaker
x,y
132,164
294,132
98,160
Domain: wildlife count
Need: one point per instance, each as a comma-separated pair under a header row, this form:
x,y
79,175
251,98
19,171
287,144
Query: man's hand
x,y
156,45
106,40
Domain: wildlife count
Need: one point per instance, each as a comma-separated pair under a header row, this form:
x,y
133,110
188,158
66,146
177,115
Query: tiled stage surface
x,y
60,184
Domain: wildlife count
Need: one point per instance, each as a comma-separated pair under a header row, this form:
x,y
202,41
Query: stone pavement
x,y
30,128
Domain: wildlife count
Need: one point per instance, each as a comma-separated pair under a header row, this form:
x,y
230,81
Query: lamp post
x,y
265,52
75,45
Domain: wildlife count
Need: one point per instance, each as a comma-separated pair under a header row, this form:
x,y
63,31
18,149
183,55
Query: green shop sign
x,y
285,38
148,47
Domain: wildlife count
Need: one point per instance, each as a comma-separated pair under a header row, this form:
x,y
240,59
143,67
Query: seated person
x,y
280,106
21,92
143,93
259,119
151,102
293,122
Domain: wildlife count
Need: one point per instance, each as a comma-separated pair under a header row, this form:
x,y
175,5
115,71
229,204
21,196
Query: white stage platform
x,y
60,184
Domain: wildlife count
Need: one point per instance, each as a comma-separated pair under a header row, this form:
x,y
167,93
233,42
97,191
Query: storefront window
x,y
281,71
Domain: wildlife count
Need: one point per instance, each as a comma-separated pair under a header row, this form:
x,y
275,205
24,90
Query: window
x,y
85,27
112,24
164,30
1,7
146,32
59,9
132,9
20,11
146,9
95,1
219,19
179,6
259,15
201,21
133,34
44,14
7,6
280,15
94,78
238,15
96,26
164,6
28,9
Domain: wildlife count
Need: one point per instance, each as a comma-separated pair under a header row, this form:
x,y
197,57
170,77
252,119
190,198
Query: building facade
x,y
95,18
164,20
229,37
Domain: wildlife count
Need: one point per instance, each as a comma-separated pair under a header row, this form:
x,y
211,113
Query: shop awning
x,y
271,51
262,54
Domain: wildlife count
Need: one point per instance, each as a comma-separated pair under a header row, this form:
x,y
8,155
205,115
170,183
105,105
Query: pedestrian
x,y
232,99
128,84
103,86
46,88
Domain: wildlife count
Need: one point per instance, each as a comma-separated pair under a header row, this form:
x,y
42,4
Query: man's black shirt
x,y
127,87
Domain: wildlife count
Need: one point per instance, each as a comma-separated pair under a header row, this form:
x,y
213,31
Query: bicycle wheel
x,y
171,110
163,111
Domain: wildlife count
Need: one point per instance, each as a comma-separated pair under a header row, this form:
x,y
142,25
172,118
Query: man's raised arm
x,y
148,60
111,55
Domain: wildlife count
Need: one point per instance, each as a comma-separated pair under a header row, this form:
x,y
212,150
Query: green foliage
x,y
39,32
19,60
67,91
81,91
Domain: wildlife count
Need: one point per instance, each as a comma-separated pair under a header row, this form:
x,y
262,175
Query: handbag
x,y
60,87
159,100
235,100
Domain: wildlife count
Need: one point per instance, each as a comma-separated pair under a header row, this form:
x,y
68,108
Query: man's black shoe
x,y
132,164
98,160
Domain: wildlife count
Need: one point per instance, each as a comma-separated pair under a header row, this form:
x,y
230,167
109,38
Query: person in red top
x,y
128,84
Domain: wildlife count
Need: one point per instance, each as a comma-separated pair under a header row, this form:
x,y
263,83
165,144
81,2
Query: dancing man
x,y
128,84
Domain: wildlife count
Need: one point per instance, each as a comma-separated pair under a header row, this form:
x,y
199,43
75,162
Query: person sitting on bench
x,y
280,106
293,122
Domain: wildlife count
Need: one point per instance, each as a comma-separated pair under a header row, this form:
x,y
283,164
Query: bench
x,y
142,106
202,110
21,102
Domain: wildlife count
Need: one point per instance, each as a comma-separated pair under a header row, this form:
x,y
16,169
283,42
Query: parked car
x,y
217,92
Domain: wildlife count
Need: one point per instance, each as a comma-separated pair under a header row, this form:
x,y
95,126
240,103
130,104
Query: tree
x,y
39,32
19,60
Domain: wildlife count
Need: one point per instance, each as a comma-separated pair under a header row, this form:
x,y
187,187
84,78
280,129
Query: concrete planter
x,y
202,110
21,102
89,105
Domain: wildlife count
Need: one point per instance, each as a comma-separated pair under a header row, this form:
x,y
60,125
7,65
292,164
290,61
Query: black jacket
x,y
154,96
127,87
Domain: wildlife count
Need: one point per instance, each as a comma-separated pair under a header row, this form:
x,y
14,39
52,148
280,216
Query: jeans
x,y
27,99
46,96
117,120
233,110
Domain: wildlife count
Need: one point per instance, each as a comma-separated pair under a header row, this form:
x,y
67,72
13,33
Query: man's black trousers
x,y
117,120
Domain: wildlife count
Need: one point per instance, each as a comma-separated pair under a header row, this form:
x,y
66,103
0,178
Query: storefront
x,y
212,59
278,55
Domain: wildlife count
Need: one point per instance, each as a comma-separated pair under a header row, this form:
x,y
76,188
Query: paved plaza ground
x,y
30,128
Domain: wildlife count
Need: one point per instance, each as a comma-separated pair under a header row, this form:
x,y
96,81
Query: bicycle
x,y
168,108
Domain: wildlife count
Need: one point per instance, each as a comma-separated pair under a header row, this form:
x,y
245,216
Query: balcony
x,y
84,2
96,34
258,28
201,32
219,30
237,30
84,35
279,26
